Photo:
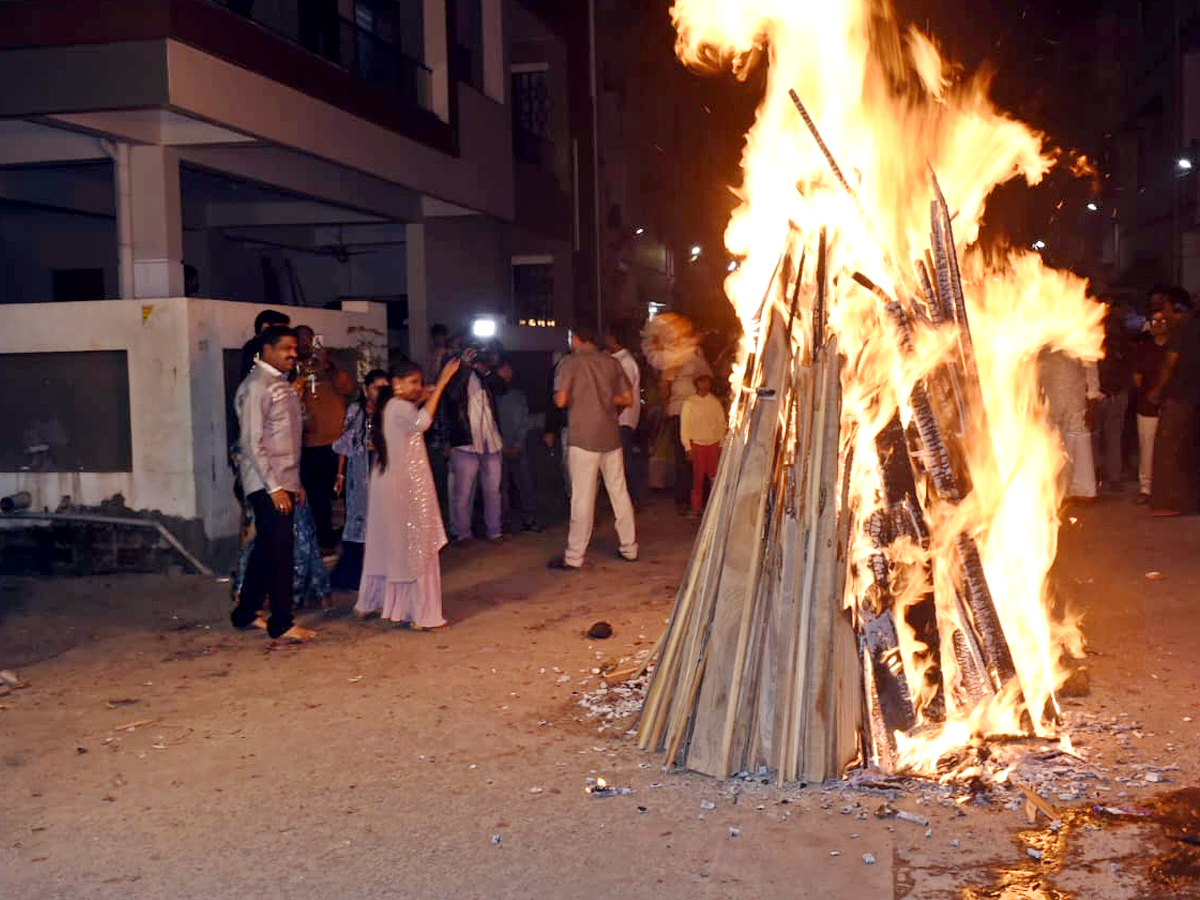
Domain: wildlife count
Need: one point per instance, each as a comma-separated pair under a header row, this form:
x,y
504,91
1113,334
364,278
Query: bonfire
x,y
870,581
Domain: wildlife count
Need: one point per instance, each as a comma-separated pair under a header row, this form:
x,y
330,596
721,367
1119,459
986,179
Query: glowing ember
x,y
891,113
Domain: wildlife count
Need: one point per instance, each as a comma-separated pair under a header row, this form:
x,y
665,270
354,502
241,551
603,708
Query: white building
x,y
385,164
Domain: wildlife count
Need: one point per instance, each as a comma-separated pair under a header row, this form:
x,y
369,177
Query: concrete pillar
x,y
416,287
149,222
495,48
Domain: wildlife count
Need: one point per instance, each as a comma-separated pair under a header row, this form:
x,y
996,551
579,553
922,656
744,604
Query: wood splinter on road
x,y
1034,803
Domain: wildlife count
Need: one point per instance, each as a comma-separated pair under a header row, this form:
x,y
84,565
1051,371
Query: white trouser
x,y
1081,466
1146,427
583,466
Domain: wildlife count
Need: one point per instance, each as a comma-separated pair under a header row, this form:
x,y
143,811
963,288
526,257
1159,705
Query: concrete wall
x,y
177,395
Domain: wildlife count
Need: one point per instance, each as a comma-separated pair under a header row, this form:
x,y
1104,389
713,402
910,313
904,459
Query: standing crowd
x,y
1138,403
414,457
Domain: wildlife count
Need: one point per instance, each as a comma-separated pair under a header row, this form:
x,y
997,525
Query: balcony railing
x,y
318,26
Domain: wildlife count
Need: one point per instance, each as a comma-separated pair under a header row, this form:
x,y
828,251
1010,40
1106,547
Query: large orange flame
x,y
891,111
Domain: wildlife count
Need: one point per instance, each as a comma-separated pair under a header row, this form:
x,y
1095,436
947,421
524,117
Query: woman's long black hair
x,y
368,427
403,370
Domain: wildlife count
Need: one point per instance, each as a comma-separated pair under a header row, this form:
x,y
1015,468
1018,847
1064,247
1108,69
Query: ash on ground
x,y
1006,771
1000,772
617,703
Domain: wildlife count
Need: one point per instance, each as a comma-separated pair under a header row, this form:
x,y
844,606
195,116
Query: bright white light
x,y
484,328
733,264
1184,164
695,250
1039,245
639,230
1093,207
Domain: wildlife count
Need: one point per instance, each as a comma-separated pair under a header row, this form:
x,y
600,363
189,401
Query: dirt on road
x,y
154,752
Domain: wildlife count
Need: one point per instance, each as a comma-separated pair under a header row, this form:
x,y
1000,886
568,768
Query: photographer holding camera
x,y
473,432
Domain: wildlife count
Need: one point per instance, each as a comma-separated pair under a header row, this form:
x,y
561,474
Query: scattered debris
x,y
600,788
869,858
1033,853
356,679
915,819
707,804
496,840
734,832
134,726
616,702
1153,575
124,701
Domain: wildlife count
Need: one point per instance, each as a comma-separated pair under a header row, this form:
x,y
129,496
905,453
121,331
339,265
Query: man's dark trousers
x,y
269,569
1175,485
683,468
517,479
318,473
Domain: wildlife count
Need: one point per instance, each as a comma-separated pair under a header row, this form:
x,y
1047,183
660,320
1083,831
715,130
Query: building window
x,y
531,112
533,290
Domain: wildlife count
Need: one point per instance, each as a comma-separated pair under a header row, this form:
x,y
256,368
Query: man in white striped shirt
x,y
628,420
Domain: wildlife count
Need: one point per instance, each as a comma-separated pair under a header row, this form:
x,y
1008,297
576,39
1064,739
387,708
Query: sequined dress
x,y
401,573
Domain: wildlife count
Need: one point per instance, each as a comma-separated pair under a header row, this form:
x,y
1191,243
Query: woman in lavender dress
x,y
355,449
401,578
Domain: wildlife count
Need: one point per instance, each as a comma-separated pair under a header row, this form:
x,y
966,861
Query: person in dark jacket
x,y
476,446
1116,374
1174,490
514,429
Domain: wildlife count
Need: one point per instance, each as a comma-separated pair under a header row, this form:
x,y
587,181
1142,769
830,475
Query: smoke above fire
x,y
893,112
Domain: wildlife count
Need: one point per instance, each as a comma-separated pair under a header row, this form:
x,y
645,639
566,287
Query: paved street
x,y
156,753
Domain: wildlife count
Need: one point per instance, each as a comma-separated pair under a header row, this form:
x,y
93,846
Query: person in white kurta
x,y
401,577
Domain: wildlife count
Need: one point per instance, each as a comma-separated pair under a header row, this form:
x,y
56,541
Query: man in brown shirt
x,y
323,389
592,387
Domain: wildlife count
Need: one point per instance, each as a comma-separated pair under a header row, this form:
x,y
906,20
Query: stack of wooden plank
x,y
768,660
759,665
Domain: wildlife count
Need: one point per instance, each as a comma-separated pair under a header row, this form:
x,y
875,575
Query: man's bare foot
x,y
425,628
298,635
260,621
363,615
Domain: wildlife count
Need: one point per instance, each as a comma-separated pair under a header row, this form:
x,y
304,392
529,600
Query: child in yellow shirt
x,y
702,426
